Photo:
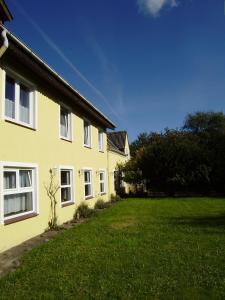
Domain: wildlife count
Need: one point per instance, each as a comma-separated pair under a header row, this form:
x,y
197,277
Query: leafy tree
x,y
189,159
141,141
205,122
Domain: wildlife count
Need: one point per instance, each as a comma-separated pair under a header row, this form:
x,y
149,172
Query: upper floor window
x,y
65,124
19,191
87,133
100,140
19,103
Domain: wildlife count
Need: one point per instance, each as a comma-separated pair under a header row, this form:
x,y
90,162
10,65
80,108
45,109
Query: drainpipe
x,y
5,44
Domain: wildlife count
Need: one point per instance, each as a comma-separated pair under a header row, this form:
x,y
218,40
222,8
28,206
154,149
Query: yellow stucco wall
x,y
45,148
113,159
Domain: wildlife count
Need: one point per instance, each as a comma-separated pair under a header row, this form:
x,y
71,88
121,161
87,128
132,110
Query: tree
x,y
189,159
141,141
200,122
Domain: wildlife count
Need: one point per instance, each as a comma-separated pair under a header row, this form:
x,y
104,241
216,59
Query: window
x,y
88,183
87,133
100,141
19,103
102,182
65,124
66,185
19,191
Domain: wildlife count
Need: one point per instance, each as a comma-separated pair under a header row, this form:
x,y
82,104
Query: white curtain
x,y
64,124
100,140
17,203
86,134
24,105
10,108
65,194
25,178
9,180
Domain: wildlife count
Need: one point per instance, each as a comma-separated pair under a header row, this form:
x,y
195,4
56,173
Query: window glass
x,y
66,194
24,106
102,181
18,203
87,190
10,98
65,123
65,177
87,176
100,140
19,192
87,183
9,179
25,178
66,185
87,138
19,102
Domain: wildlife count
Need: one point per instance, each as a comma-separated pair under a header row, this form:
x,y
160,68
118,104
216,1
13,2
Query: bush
x,y
83,211
115,198
100,204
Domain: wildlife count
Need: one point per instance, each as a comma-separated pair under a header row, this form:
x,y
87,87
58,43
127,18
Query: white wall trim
x,y
35,188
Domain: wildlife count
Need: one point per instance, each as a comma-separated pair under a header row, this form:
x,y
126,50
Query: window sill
x,y
64,204
88,146
89,197
101,151
20,123
20,218
102,194
65,139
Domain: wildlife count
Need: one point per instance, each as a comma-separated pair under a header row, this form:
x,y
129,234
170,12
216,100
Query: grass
x,y
136,249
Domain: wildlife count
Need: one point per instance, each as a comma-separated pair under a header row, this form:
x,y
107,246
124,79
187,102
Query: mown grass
x,y
136,249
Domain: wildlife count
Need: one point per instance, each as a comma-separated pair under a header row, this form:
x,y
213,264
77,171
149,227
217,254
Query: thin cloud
x,y
47,39
154,7
109,71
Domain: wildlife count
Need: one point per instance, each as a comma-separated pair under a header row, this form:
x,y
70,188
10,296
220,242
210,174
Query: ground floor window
x,y
102,182
88,183
66,185
19,191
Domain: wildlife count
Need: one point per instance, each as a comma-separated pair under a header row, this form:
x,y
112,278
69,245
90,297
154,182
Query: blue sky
x,y
144,63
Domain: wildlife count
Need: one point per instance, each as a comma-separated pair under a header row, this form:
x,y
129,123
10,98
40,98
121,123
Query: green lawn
x,y
136,249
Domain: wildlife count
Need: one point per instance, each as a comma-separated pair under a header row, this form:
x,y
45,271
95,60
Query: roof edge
x,y
6,10
111,125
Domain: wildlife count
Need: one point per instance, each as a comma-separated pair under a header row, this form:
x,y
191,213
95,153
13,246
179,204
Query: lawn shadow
x,y
208,221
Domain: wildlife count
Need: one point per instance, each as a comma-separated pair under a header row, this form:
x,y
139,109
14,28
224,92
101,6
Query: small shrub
x,y
83,211
115,198
100,204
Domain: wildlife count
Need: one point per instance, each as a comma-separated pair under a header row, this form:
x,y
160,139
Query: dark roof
x,y
117,141
21,53
5,14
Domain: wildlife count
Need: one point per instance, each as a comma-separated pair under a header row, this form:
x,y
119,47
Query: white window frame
x,y
102,171
70,132
101,140
71,185
16,167
88,145
19,80
88,183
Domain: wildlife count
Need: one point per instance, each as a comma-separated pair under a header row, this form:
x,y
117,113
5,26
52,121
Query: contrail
x,y
48,40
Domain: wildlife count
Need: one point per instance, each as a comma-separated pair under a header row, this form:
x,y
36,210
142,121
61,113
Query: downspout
x,y
5,44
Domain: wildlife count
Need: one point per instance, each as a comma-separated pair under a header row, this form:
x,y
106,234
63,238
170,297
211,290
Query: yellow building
x,y
47,125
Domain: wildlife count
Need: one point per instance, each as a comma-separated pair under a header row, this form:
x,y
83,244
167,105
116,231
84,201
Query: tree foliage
x,y
189,159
